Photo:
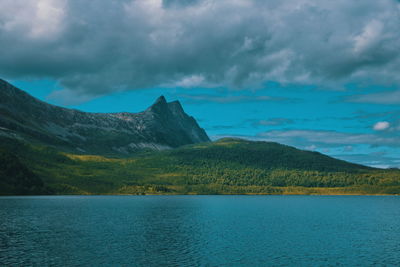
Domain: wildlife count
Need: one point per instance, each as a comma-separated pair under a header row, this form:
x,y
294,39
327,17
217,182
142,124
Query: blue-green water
x,y
200,231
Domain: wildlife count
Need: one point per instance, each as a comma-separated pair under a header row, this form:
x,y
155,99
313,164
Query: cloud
x,y
190,81
223,127
304,138
230,98
381,125
347,149
311,147
363,115
378,160
69,97
387,98
273,122
370,35
41,19
94,48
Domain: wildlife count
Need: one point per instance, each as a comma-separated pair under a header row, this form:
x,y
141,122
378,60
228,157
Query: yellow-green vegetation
x,y
90,158
228,166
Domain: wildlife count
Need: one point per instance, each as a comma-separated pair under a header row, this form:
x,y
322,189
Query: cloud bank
x,y
97,47
328,138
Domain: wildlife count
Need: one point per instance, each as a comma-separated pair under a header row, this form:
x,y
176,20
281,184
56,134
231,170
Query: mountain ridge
x,y
163,125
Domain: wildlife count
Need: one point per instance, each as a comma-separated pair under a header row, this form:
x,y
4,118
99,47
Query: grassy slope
x,y
228,166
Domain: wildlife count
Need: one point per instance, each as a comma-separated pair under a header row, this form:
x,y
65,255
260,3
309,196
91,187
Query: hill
x,y
227,166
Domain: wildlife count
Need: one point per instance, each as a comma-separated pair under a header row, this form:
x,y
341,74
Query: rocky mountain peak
x,y
159,106
160,100
163,125
175,106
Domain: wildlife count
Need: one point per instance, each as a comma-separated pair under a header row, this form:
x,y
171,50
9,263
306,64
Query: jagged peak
x,y
160,100
176,106
159,105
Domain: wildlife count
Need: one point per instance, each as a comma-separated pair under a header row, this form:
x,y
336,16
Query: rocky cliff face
x,y
163,125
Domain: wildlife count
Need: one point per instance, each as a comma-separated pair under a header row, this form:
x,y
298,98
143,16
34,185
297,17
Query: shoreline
x,y
228,194
213,189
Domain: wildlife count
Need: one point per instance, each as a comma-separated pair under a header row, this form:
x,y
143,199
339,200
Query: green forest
x,y
226,166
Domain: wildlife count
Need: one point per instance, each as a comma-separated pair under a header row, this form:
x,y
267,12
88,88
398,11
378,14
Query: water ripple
x,y
199,231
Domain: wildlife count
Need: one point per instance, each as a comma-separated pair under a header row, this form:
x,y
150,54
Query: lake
x,y
200,231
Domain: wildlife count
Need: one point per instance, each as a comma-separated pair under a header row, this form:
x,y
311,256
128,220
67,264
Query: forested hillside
x,y
226,166
16,178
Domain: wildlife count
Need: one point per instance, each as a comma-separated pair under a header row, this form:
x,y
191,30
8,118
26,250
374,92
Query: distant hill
x,y
227,166
162,126
262,155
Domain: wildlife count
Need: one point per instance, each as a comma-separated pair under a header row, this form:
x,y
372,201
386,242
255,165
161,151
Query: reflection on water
x,y
199,230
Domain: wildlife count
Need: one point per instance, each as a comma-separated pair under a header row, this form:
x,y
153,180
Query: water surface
x,y
200,231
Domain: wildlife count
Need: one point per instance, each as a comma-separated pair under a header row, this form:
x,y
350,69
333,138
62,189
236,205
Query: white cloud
x,y
369,37
33,19
311,147
49,18
273,122
381,125
190,81
348,149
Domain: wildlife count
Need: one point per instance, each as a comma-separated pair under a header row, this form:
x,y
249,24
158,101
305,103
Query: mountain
x,y
162,126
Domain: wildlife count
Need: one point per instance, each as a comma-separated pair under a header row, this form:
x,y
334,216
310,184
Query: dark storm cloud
x,y
96,47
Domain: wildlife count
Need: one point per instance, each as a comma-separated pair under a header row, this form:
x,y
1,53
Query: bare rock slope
x,y
163,125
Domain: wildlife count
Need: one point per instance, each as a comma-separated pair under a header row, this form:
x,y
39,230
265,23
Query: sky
x,y
318,75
